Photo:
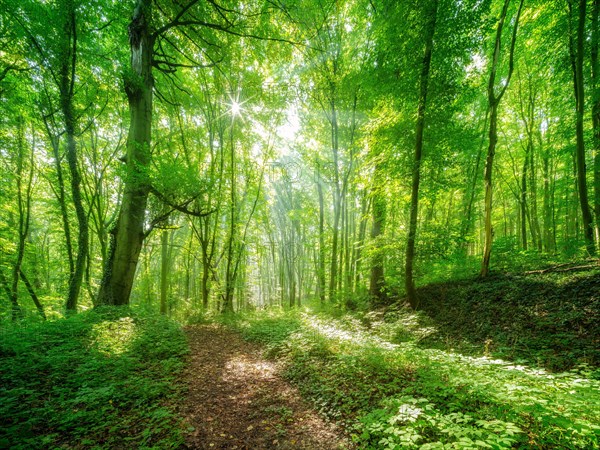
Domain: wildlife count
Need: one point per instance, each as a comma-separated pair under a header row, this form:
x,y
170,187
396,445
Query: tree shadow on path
x,y
238,400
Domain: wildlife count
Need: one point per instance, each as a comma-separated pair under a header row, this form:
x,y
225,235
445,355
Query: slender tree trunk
x,y
164,271
337,200
494,101
61,197
362,231
416,175
321,255
578,57
66,81
547,206
595,62
128,234
467,221
535,221
523,201
33,295
206,267
24,180
377,280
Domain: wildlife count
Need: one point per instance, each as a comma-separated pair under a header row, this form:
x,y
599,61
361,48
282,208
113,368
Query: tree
x,y
429,32
577,57
494,102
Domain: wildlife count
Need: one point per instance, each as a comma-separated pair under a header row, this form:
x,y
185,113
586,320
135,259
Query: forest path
x,y
238,400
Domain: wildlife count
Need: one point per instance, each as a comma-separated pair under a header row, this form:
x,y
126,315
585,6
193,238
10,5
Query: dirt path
x,y
237,399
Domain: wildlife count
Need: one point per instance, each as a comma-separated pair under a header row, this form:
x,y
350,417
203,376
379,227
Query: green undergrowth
x,y
549,319
101,379
390,393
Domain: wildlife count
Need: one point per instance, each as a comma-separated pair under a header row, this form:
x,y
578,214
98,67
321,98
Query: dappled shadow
x,y
549,321
237,400
100,379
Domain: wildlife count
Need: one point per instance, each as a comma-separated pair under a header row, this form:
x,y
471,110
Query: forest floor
x,y
238,400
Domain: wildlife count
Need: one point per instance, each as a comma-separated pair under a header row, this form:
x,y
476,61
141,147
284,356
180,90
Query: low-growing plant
x,y
100,379
391,393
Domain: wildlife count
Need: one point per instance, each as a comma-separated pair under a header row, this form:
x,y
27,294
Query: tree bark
x,y
409,283
24,209
523,200
337,199
66,86
578,78
377,280
164,271
321,256
595,62
33,295
494,101
128,234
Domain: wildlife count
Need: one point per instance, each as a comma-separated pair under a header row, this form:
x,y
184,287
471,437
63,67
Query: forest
x,y
367,224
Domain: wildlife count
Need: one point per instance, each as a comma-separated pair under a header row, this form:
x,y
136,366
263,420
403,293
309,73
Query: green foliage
x,y
408,422
390,393
101,379
548,319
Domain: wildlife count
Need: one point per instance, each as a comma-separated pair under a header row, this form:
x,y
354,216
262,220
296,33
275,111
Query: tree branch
x,y
181,207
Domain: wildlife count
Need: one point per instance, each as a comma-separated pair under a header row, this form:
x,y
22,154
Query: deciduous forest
x,y
368,224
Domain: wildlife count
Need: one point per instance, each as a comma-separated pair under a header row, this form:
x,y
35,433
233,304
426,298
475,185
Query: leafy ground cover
x,y
100,379
548,317
391,393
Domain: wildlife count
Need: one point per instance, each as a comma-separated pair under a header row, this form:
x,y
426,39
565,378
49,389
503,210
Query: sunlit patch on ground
x,y
406,394
237,399
113,337
241,367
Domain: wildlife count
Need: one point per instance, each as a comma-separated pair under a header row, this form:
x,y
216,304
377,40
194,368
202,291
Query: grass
x,y
101,379
397,395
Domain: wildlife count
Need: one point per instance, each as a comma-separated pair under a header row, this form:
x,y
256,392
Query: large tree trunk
x,y
128,234
416,176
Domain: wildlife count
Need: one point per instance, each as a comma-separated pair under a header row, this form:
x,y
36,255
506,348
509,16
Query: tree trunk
x,y
33,295
578,78
66,86
337,200
24,209
523,200
547,206
358,248
377,280
128,234
494,101
61,196
595,62
164,271
321,256
416,174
